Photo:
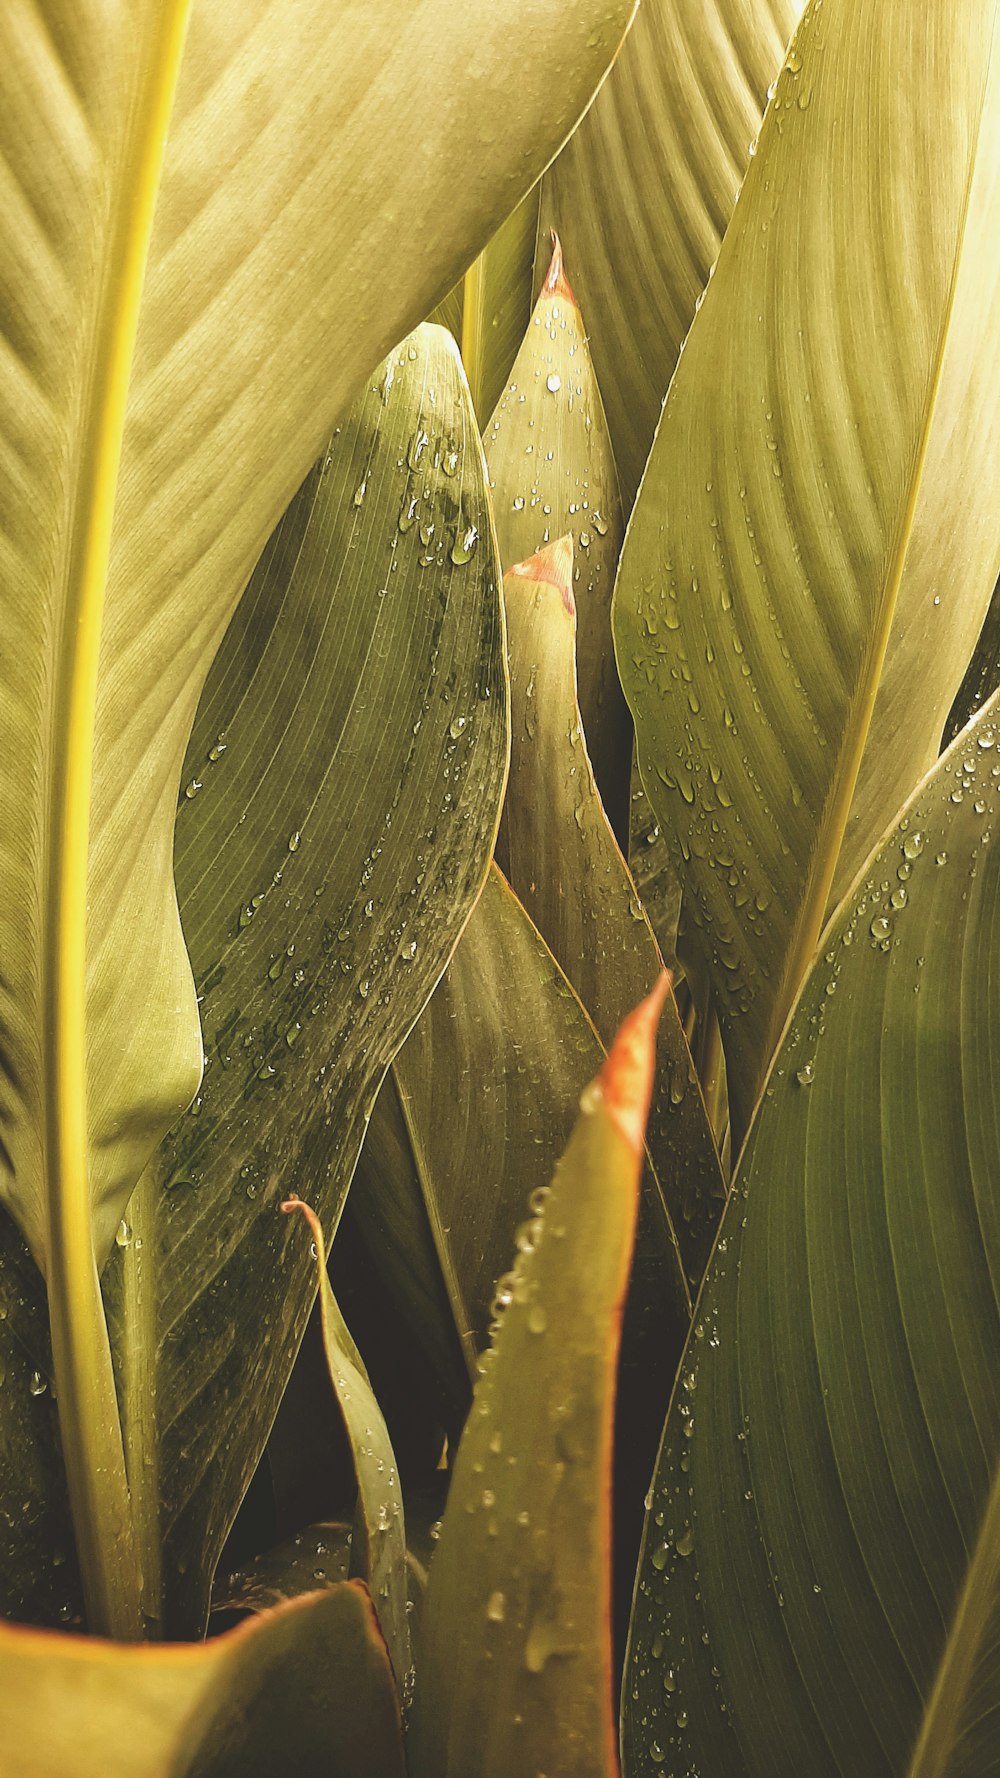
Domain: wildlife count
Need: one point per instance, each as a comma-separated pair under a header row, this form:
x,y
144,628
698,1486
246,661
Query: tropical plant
x,y
381,719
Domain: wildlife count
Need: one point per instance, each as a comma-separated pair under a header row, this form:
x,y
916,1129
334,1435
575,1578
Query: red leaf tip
x,y
553,564
626,1080
556,282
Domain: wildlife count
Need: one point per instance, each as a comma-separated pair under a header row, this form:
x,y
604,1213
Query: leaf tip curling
x,y
556,282
552,564
626,1079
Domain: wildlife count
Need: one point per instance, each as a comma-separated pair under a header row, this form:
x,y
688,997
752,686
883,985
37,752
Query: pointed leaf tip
x,y
554,565
626,1079
556,282
314,1224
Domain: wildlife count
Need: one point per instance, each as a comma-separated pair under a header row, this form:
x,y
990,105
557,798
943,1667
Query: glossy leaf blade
x,y
819,1587
342,790
789,511
553,475
136,497
516,1633
307,1687
378,1553
493,304
642,193
563,861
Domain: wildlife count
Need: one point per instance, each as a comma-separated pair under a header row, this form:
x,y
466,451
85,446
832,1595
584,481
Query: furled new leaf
x,y
561,858
805,493
820,1584
306,1688
378,1550
342,791
515,1669
643,191
553,475
214,198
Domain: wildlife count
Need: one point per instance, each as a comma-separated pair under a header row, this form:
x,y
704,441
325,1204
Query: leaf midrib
x,y
88,1409
974,1611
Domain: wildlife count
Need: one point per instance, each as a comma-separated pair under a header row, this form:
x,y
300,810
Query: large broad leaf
x,y
820,1582
642,192
344,773
806,493
553,475
135,499
515,1668
561,858
305,1689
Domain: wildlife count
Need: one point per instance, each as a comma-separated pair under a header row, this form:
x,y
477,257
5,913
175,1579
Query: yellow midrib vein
x,y
89,1422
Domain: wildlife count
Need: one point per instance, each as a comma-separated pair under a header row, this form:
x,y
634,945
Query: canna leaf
x,y
165,383
516,1630
487,1087
378,1550
563,862
653,871
802,496
388,1209
553,474
982,675
489,309
305,1688
819,1584
350,749
643,191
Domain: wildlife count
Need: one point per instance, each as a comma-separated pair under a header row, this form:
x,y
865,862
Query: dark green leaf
x,y
820,1582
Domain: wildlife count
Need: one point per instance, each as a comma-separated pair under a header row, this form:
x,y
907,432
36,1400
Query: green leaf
x,y
819,1586
982,676
803,495
136,497
490,309
387,1207
345,774
643,191
306,1688
561,858
653,871
488,1085
553,474
378,1550
515,1670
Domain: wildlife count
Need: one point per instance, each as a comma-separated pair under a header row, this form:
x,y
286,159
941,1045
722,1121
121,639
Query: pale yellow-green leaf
x,y
561,858
553,475
641,194
305,1688
801,490
222,194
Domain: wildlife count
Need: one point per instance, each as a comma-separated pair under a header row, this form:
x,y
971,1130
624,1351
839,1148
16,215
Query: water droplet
x,y
553,383
538,1321
360,492
456,726
496,1607
685,1543
191,790
880,928
464,544
806,1075
913,845
37,1384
